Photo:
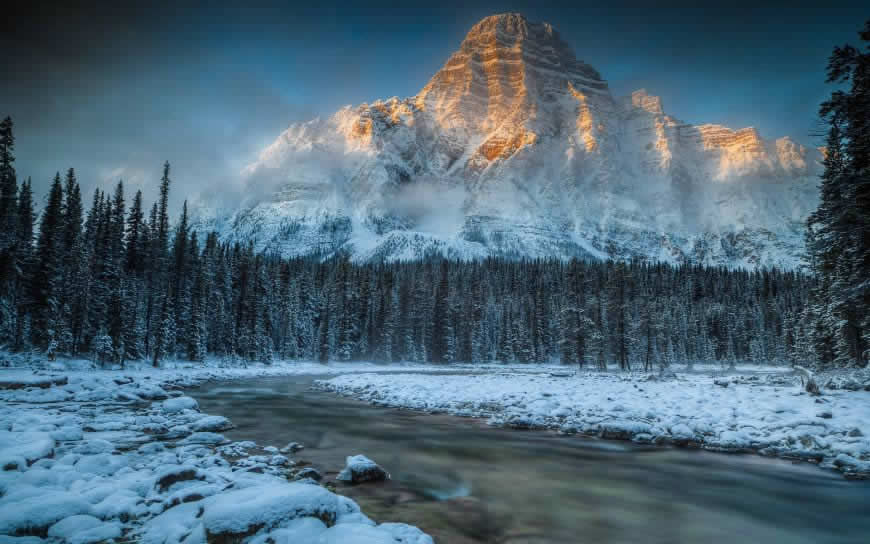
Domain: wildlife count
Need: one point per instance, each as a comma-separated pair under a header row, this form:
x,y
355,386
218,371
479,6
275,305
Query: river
x,y
465,482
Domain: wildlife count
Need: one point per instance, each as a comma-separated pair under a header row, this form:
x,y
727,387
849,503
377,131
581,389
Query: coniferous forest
x,y
120,281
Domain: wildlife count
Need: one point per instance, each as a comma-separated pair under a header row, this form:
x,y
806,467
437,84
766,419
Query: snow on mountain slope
x,y
516,148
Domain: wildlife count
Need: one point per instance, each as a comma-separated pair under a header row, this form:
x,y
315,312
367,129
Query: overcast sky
x,y
116,88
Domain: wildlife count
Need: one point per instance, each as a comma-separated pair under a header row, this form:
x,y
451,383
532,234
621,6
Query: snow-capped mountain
x,y
516,148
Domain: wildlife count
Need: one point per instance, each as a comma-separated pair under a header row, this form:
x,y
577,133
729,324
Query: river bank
x,y
759,410
97,456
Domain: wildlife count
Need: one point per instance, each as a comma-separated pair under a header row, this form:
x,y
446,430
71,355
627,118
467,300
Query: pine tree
x,y
440,317
9,223
839,230
26,216
115,264
323,336
21,302
136,238
71,251
47,278
195,337
179,272
162,321
8,189
621,334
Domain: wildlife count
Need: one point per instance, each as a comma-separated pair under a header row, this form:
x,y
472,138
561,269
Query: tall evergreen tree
x,y
9,231
47,275
164,326
839,230
136,238
440,317
20,300
8,187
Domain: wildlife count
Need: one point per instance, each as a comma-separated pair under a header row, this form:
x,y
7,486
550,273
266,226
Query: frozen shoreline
x,y
93,455
765,412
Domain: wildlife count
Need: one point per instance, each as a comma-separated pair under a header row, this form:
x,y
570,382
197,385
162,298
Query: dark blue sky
x,y
115,90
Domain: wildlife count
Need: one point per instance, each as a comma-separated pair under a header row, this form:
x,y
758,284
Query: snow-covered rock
x,y
19,449
359,469
292,447
213,439
212,424
308,472
179,403
84,529
246,511
24,382
36,513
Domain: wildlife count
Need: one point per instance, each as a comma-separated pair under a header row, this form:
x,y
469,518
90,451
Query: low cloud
x,y
431,206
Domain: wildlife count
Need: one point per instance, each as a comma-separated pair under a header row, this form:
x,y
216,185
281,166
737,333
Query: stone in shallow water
x,y
213,439
212,424
361,469
279,461
292,447
308,472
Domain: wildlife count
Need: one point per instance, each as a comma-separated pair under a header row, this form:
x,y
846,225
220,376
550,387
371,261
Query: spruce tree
x,y
8,187
135,246
839,230
163,326
9,231
47,276
21,301
440,317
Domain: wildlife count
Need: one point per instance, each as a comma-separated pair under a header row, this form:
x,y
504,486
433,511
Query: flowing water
x,y
465,482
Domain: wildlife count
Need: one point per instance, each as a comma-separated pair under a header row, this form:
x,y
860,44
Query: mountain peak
x,y
505,68
509,23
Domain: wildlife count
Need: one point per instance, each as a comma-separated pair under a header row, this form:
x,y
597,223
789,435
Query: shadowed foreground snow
x,y
100,456
767,412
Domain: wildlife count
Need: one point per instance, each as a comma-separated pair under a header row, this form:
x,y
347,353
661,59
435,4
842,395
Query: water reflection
x,y
465,482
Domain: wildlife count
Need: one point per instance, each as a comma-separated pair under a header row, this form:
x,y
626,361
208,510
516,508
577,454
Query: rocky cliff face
x,y
516,148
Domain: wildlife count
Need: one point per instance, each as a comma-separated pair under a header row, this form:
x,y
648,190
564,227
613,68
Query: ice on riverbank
x,y
98,456
768,413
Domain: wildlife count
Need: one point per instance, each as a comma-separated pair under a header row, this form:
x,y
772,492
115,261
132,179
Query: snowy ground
x,y
752,410
97,456
94,455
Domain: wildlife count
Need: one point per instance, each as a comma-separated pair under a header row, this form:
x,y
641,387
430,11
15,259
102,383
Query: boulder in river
x,y
308,472
292,447
212,424
361,469
179,404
